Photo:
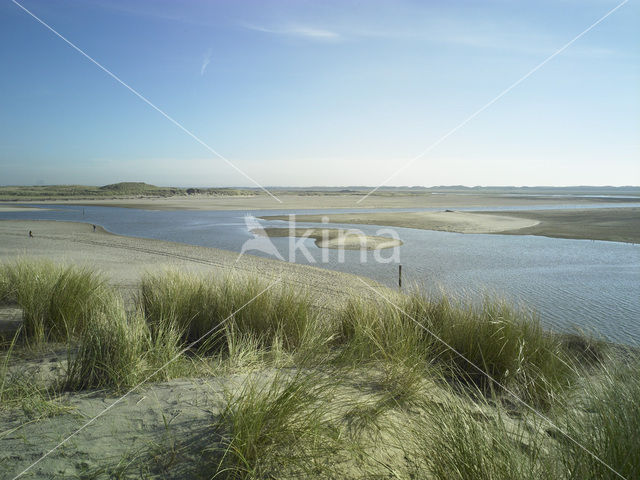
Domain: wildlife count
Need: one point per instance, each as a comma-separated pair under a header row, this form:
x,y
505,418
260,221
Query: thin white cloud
x,y
206,60
303,31
481,36
313,32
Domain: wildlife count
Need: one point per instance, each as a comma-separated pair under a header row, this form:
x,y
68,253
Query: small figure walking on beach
x,y
94,228
30,234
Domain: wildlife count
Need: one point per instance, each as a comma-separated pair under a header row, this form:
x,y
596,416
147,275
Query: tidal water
x,y
586,285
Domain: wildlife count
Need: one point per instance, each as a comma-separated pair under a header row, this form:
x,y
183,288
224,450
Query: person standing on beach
x,y
94,228
30,234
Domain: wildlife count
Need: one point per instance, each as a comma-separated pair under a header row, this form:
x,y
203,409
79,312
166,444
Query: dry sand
x,y
125,259
322,201
463,222
146,427
163,430
335,238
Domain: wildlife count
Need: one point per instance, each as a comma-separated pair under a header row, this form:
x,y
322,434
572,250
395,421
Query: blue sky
x,y
320,92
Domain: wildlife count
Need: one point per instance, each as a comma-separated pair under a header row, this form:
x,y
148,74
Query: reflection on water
x,y
591,285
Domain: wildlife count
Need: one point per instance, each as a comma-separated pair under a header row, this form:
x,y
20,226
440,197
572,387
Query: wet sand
x,y
335,238
448,221
17,208
611,224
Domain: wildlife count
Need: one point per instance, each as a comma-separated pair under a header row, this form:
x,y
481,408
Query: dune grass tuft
x,y
57,301
374,330
29,284
276,428
372,388
606,422
195,305
510,346
110,354
457,441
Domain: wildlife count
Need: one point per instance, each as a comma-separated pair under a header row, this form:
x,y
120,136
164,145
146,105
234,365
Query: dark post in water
x,y
399,276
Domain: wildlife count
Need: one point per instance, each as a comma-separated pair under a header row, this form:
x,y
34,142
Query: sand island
x,y
337,238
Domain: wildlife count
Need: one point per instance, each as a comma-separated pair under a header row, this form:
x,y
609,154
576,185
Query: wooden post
x,y
399,276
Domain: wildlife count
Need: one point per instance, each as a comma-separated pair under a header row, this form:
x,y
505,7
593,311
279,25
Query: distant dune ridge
x,y
125,189
121,189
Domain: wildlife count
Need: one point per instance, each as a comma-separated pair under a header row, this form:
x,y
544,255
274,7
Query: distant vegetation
x,y
141,189
356,391
115,190
496,190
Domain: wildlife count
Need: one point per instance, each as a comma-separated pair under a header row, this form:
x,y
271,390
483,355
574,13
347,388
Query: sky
x,y
334,92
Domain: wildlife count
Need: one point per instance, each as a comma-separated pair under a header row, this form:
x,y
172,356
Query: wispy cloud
x,y
303,31
206,60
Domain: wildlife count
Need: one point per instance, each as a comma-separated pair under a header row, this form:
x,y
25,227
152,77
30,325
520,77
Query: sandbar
x,y
335,238
609,224
18,208
448,221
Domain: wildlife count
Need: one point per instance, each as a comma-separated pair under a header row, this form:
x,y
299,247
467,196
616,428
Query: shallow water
x,y
589,285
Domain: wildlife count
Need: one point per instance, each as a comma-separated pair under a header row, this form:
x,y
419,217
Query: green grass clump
x,y
30,284
606,422
78,294
510,346
120,349
57,302
195,305
275,428
110,354
457,441
375,330
373,389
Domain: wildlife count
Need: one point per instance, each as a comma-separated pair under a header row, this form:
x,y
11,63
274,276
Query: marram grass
x,y
57,301
194,306
491,346
275,427
110,354
287,420
605,419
